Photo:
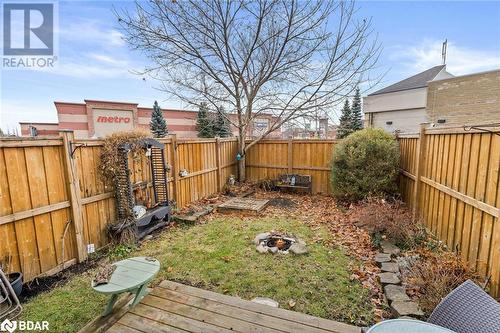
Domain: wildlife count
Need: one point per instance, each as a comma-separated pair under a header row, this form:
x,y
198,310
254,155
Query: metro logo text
x,y
115,119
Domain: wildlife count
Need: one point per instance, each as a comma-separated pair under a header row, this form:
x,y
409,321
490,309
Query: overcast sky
x,y
95,63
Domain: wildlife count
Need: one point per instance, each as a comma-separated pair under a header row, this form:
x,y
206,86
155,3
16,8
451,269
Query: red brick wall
x,y
79,117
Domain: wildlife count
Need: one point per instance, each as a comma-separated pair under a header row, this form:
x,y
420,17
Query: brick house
x,y
437,97
401,106
465,100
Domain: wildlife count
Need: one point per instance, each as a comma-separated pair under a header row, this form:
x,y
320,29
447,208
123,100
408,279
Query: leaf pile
x,y
434,275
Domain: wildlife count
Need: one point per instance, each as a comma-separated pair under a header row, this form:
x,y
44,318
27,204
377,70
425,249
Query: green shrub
x,y
365,163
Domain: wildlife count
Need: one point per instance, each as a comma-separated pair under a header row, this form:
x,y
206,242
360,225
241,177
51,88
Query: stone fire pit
x,y
275,242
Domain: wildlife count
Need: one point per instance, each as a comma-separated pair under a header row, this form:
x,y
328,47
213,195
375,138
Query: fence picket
x,y
450,178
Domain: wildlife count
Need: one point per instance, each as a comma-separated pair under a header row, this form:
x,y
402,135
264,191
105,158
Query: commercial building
x,y
94,119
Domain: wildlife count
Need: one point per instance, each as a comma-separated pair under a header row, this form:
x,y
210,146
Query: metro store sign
x,y
116,119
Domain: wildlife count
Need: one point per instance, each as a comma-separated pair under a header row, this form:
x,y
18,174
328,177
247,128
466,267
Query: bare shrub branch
x,y
284,58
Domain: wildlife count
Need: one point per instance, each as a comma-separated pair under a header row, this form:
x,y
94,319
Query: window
x,y
260,125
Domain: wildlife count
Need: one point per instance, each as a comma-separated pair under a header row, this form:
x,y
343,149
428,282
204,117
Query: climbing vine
x,y
122,230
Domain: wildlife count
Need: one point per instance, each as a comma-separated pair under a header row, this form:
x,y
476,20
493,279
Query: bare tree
x,y
287,58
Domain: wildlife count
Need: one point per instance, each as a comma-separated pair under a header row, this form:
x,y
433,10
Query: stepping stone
x,y
395,293
382,257
390,267
400,308
389,278
266,301
389,248
192,218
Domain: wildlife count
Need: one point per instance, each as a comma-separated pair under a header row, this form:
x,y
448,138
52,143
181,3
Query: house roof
x,y
416,81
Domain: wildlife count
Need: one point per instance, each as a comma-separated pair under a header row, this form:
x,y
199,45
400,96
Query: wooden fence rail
x,y
53,205
54,201
456,194
269,158
450,177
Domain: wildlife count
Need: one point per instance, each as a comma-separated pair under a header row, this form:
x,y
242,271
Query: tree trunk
x,y
241,169
241,162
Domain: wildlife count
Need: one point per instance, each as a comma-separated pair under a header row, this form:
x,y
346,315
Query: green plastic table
x,y
407,326
130,275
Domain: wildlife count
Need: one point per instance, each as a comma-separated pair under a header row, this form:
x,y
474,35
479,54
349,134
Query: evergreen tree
x,y
345,126
158,125
204,124
221,127
356,122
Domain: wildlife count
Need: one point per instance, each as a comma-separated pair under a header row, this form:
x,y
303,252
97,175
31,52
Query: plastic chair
x,y
468,309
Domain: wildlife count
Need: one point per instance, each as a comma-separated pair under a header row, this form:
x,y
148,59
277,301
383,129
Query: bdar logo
x,y
8,326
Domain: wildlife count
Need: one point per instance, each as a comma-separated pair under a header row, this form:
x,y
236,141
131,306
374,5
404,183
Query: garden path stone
x,y
395,293
266,301
400,308
193,217
389,248
382,257
298,248
389,278
390,267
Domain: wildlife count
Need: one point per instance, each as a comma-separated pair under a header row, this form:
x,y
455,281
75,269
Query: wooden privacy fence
x,y
457,192
456,195
269,158
54,202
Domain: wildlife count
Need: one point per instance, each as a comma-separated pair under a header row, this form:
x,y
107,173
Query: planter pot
x,y
16,281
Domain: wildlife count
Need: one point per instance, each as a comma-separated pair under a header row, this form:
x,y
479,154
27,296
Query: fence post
x,y
217,161
290,157
421,161
74,193
175,168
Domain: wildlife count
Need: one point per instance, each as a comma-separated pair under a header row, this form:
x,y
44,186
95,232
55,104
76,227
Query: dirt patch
x,y
46,283
282,202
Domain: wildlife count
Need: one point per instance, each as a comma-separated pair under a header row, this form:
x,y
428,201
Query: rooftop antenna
x,y
443,51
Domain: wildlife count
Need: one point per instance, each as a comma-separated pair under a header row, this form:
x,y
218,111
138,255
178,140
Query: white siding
x,y
399,100
406,121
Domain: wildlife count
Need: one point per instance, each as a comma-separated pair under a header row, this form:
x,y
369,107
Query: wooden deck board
x,y
176,308
251,205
